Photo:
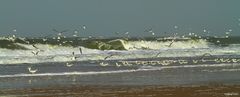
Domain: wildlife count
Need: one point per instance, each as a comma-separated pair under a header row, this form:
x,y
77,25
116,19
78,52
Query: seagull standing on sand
x,y
103,64
69,64
118,65
32,71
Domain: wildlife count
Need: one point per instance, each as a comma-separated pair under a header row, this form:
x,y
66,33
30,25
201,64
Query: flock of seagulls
x,y
106,64
36,50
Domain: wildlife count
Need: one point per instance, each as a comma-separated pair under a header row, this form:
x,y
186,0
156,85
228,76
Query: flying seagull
x,y
80,50
103,64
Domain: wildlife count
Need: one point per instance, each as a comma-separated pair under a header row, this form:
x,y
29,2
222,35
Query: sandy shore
x,y
128,91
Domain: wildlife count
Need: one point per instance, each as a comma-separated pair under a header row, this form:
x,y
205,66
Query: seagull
x,y
80,50
234,60
35,52
158,54
14,30
190,34
84,27
195,61
75,31
35,46
108,56
204,30
30,81
44,39
103,64
117,33
175,27
24,40
149,30
205,55
60,33
73,56
89,37
38,50
173,40
74,35
32,71
69,65
117,64
58,37
153,33
227,33
171,43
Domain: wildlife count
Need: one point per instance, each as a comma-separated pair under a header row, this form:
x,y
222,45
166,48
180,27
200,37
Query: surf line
x,y
178,61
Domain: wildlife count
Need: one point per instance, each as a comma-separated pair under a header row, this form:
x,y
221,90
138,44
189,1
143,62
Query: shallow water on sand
x,y
58,74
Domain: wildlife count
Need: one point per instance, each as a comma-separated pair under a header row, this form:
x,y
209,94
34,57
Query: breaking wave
x,y
38,50
103,44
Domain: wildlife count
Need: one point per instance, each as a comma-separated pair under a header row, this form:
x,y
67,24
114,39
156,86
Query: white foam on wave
x,y
46,53
60,50
117,55
46,50
133,45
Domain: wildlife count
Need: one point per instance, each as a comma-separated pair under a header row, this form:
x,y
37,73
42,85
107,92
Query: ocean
x,y
30,63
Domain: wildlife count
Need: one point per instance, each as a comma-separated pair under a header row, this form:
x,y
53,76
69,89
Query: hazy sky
x,y
103,17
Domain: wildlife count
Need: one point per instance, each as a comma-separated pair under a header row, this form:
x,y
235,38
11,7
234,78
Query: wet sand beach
x,y
220,80
128,91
